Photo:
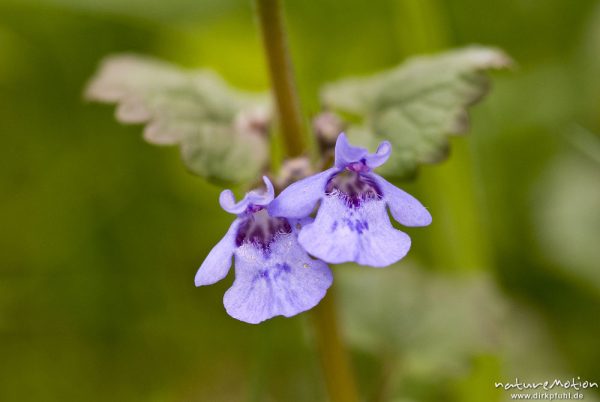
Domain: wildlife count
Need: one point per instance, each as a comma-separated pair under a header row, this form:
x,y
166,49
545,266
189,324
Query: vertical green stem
x,y
335,360
282,75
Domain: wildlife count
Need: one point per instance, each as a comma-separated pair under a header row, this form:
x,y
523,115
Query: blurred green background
x,y
102,233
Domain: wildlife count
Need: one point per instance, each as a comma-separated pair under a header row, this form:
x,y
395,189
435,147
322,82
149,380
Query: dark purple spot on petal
x,y
280,269
284,267
262,274
356,225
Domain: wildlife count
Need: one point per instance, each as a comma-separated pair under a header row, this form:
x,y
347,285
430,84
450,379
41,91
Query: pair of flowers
x,y
272,237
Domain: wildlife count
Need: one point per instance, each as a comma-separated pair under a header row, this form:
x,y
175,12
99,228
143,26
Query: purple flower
x,y
352,223
273,274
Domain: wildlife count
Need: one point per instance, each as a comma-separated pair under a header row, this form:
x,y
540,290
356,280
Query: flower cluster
x,y
271,238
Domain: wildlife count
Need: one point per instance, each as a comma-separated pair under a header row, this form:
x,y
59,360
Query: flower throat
x,y
260,229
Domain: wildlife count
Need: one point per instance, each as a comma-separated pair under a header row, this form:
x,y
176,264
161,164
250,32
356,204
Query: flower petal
x,y
405,208
227,201
299,199
216,265
254,197
346,153
380,156
364,234
262,198
285,281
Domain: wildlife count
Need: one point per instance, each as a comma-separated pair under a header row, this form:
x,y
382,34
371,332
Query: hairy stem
x,y
282,75
335,360
338,375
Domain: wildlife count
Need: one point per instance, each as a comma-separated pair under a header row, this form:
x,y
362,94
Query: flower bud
x,y
327,127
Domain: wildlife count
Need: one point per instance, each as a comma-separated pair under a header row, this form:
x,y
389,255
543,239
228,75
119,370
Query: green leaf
x,y
416,105
221,132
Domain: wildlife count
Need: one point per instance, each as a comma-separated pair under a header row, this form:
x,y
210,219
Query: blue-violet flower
x,y
352,222
273,274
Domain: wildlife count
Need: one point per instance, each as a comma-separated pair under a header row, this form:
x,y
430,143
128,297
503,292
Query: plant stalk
x,y
339,378
338,374
270,17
